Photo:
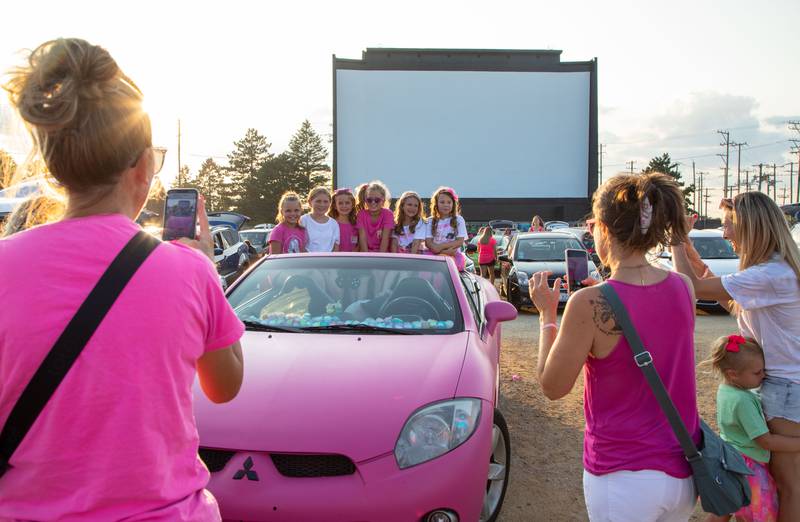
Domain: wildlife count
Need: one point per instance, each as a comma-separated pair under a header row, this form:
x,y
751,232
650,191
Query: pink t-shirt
x,y
375,228
118,439
348,237
293,239
486,251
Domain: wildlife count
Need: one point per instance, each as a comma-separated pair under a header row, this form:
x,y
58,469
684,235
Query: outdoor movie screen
x,y
488,134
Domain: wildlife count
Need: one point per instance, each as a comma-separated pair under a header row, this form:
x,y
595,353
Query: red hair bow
x,y
734,341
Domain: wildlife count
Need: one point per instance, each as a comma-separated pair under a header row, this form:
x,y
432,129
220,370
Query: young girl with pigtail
x,y
289,236
344,211
740,363
409,231
446,230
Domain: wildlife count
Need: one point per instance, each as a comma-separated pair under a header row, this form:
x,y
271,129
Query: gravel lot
x,y
547,436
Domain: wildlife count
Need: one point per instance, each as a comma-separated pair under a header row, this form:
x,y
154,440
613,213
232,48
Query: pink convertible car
x,y
369,394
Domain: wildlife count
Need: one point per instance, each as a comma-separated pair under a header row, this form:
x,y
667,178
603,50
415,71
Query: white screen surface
x,y
487,134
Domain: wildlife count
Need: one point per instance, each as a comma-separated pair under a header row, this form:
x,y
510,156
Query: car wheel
x,y
499,468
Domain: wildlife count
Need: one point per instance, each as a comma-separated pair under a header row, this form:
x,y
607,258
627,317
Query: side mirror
x,y
218,251
471,248
504,258
596,259
497,312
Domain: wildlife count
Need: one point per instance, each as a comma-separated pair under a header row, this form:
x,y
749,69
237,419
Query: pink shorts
x,y
764,500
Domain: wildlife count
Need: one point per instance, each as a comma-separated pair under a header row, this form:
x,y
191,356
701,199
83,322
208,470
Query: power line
x,y
727,145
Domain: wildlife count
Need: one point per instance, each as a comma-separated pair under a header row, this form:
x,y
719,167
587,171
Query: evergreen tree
x,y
665,165
259,199
210,182
308,154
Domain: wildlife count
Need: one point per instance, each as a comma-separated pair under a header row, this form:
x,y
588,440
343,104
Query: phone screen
x,y
180,214
577,267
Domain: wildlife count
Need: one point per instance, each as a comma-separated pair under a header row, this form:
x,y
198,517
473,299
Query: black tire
x,y
505,439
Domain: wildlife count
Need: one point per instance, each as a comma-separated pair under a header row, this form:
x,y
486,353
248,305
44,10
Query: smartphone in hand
x,y
180,214
577,267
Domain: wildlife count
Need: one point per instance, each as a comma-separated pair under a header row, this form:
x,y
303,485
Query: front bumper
x,y
377,491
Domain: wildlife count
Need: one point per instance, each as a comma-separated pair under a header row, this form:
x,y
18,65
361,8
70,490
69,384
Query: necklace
x,y
639,267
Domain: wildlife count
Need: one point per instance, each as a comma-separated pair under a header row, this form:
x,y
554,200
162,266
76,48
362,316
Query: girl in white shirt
x,y
766,300
446,230
322,230
409,231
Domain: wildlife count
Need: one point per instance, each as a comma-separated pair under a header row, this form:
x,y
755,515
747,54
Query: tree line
x,y
255,177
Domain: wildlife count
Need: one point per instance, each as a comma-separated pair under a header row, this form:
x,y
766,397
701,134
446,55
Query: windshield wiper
x,y
358,328
261,327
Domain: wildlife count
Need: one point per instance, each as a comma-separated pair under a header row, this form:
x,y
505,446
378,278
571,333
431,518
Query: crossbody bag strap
x,y
69,345
644,360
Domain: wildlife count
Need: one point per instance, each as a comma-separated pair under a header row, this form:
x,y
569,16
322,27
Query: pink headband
x,y
342,191
450,191
734,342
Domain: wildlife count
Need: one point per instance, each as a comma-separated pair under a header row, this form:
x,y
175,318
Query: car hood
x,y
558,268
328,393
721,267
230,219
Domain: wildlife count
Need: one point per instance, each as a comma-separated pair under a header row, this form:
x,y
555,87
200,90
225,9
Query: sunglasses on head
x,y
373,201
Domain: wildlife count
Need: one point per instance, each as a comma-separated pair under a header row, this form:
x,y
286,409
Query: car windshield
x,y
714,248
544,249
256,238
348,294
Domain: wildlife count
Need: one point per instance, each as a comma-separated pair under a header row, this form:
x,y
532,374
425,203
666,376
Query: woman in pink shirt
x,y
487,253
375,222
634,468
117,440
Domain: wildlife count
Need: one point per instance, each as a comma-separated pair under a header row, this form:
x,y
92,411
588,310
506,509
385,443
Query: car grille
x,y
307,466
214,459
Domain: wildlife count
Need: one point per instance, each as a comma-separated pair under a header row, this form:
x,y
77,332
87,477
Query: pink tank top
x,y
625,427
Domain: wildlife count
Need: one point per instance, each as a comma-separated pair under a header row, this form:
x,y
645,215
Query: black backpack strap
x,y
69,345
644,361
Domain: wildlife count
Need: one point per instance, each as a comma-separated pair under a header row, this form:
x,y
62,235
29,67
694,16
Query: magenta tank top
x,y
625,427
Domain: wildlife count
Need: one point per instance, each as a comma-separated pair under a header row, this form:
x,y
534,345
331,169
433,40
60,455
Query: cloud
x,y
687,130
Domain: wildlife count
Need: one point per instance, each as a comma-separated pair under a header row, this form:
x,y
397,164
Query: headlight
x,y
522,277
436,429
594,274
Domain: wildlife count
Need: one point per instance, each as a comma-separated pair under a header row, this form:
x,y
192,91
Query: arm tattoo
x,y
603,316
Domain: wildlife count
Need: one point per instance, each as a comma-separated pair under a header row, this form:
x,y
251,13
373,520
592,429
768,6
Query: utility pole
x,y
601,163
739,167
746,180
631,164
774,183
180,181
726,157
705,198
795,126
791,181
694,186
783,195
701,174
760,176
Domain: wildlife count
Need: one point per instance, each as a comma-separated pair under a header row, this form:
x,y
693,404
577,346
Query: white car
x,y
715,251
12,196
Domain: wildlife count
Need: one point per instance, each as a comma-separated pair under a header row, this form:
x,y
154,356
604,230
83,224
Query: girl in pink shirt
x,y
375,222
289,236
343,210
487,253
634,468
117,440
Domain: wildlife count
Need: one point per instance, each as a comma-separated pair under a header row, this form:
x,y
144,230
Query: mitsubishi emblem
x,y
251,474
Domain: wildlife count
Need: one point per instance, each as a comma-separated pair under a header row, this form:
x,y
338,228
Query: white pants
x,y
638,496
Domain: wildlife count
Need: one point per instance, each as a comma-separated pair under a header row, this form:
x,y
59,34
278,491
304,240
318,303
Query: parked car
x,y
230,253
550,226
532,252
341,415
264,226
502,224
12,196
259,238
715,251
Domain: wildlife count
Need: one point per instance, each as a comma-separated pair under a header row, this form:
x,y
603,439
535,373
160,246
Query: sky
x,y
670,74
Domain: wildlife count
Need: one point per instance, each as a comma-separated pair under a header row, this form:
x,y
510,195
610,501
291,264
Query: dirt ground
x,y
547,436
